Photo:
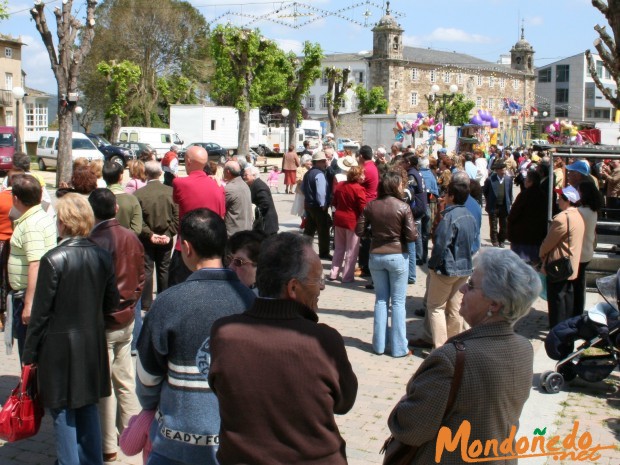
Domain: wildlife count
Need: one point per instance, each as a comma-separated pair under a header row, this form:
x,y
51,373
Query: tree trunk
x,y
243,146
65,161
292,133
115,128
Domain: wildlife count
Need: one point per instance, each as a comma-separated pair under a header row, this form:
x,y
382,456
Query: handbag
x,y
560,269
21,415
398,453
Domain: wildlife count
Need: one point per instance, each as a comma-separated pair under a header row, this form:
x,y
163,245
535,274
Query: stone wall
x,y
350,126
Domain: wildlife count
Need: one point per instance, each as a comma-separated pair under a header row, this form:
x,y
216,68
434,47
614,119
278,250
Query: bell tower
x,y
522,55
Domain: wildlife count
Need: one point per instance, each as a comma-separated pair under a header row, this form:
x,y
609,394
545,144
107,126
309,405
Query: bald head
x,y
196,158
232,169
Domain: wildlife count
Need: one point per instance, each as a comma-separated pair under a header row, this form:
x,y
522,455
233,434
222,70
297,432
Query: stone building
x,y
407,75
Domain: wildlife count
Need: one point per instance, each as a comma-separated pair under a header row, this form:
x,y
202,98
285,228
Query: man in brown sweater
x,y
278,374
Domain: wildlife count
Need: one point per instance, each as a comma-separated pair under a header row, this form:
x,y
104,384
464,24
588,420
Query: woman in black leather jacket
x,y
66,339
392,227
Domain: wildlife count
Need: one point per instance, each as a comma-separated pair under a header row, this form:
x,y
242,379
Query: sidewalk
x,y
382,379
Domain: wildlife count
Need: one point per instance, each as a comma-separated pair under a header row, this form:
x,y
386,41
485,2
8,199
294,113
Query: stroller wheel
x,y
542,378
568,372
554,383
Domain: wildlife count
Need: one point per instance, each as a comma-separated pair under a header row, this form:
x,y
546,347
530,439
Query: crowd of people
x,y
234,327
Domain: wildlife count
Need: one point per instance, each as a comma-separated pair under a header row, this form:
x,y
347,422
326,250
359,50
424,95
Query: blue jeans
x,y
389,275
413,271
78,436
418,243
137,327
157,459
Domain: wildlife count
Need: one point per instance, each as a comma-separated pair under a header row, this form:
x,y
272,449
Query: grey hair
x,y
305,159
423,162
460,176
275,268
152,169
252,170
509,281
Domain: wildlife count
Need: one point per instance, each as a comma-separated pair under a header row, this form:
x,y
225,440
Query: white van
x,y
81,146
161,139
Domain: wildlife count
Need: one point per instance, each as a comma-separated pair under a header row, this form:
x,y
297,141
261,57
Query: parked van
x,y
7,147
81,146
161,139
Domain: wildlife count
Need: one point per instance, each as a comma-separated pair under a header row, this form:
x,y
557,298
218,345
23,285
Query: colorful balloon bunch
x,y
484,118
422,123
563,132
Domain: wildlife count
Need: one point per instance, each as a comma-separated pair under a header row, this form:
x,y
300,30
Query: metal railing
x,y
6,98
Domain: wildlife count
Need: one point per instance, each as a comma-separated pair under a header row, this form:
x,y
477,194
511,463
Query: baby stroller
x,y
599,327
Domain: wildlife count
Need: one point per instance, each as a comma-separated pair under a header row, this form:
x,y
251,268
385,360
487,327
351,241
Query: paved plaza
x,y
382,379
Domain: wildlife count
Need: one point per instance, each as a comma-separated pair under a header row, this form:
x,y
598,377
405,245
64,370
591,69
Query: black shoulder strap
x,y
459,367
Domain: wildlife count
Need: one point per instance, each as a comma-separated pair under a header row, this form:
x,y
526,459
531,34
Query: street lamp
x,y
285,112
445,98
18,94
78,111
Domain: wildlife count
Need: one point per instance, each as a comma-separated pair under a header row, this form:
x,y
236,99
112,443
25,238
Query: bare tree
x,y
66,61
608,49
337,85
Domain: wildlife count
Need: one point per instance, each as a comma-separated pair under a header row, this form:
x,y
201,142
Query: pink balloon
x,y
438,127
431,121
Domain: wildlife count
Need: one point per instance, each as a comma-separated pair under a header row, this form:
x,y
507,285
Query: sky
x,y
482,28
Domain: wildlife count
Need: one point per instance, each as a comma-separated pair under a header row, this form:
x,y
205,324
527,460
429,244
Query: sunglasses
x,y
470,285
238,262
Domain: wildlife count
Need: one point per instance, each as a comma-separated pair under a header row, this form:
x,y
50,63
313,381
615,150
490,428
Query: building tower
x,y
522,55
387,54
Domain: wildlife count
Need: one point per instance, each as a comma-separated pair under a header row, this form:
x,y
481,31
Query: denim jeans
x,y
389,274
413,271
137,326
425,234
418,242
78,436
19,329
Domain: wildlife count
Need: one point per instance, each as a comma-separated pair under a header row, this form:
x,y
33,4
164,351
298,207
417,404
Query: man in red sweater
x,y
371,186
278,351
196,190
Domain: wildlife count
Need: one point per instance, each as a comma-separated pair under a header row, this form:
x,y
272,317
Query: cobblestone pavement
x,y
349,308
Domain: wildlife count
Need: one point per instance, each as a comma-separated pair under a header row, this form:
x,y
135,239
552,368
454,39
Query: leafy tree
x,y
300,74
121,79
373,102
248,74
4,14
164,41
175,89
608,49
337,85
457,109
66,59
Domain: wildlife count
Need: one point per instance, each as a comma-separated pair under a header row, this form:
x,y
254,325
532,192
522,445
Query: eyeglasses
x,y
470,285
320,281
238,262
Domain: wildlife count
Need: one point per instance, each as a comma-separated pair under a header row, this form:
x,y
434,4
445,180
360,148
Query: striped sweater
x,y
170,363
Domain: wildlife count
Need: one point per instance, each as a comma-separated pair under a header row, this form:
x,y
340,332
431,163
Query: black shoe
x,y
365,274
421,343
411,281
501,245
326,257
369,286
419,312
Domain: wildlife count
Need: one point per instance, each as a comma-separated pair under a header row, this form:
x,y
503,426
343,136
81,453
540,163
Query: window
x,y
515,83
607,75
8,52
478,102
544,75
359,76
491,104
8,81
415,74
324,102
598,114
433,75
502,83
50,142
561,112
414,99
561,95
459,78
165,138
562,73
9,118
599,68
479,81
491,81
213,125
324,77
446,76
36,117
310,102
590,92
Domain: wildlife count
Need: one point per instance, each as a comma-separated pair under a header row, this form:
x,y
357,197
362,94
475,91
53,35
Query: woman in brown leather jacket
x,y
392,227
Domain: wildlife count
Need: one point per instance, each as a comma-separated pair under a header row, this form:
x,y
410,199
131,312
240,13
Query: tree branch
x,y
615,101
38,14
601,6
609,41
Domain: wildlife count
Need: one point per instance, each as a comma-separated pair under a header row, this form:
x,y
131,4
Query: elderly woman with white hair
x,y
488,383
305,164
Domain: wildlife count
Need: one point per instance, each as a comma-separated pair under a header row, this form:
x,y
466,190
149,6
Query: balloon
x,y
399,136
399,125
438,127
431,121
476,120
494,123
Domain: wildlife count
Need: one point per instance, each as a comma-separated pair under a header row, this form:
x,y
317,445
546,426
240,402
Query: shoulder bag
x,y
398,453
21,415
560,269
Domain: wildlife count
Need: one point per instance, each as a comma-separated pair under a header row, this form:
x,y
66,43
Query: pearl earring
x,y
489,313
